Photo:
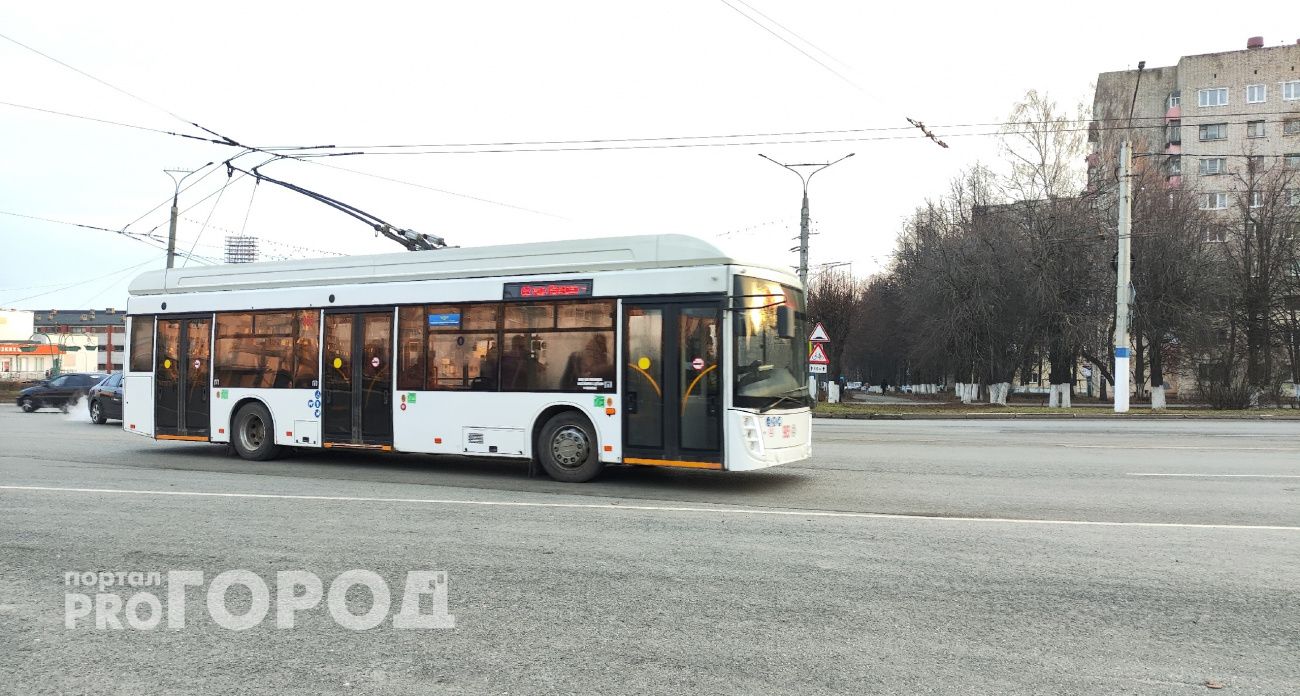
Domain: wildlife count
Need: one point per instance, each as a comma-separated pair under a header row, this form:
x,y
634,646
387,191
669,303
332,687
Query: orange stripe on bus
x,y
186,438
671,462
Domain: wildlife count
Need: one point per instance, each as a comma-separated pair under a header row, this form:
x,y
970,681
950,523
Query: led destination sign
x,y
530,291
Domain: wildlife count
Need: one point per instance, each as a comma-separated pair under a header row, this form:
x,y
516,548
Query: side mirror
x,y
784,322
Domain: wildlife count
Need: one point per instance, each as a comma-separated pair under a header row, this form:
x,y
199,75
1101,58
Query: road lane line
x,y
1284,476
1183,447
651,508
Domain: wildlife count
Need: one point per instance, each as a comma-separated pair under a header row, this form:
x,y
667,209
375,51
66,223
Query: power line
x,y
791,44
128,235
110,122
213,209
78,283
743,143
795,34
109,85
436,190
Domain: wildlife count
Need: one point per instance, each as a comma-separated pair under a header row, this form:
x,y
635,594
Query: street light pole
x,y
171,233
1123,288
803,214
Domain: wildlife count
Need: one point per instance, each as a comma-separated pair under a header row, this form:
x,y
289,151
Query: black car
x,y
106,399
58,392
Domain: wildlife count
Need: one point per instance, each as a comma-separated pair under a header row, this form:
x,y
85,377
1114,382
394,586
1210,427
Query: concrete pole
x,y
1122,282
803,239
171,232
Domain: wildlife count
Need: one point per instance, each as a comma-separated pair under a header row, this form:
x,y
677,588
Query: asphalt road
x,y
944,557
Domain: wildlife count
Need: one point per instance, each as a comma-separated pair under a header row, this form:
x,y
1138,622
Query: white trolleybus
x,y
652,350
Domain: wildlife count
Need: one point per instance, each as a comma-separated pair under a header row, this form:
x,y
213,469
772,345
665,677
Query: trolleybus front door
x,y
183,378
672,383
357,389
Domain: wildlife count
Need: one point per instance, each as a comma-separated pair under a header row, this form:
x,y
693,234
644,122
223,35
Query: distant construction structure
x,y
241,248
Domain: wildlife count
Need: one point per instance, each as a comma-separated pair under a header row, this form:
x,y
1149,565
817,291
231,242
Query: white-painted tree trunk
x,y
1052,400
1157,397
1059,396
998,393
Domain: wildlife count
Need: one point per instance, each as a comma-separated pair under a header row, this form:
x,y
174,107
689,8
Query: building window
x,y
1214,233
1291,90
1256,94
1213,165
1214,131
1254,163
1257,199
1175,98
1174,166
1254,129
1291,126
1292,161
1214,201
1174,132
1215,96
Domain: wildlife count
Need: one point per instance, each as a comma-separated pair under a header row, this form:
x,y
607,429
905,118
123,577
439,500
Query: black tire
x,y
28,404
97,415
253,433
568,450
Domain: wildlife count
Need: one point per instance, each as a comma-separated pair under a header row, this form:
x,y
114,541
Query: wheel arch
x,y
234,412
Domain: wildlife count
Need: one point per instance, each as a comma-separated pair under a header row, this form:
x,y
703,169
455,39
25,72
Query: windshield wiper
x,y
782,398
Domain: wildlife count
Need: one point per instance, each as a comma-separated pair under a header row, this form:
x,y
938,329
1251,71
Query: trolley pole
x,y
1123,289
803,213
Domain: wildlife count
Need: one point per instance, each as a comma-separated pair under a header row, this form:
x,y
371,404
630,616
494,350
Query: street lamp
x,y
61,348
171,233
803,216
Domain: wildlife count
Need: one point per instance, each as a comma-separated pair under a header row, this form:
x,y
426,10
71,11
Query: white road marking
x,y
1285,476
655,508
1183,447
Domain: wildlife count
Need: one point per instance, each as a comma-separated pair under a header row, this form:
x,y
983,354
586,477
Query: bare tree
x,y
834,299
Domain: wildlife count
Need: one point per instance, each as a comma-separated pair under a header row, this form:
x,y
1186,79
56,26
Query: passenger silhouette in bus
x,y
515,364
593,361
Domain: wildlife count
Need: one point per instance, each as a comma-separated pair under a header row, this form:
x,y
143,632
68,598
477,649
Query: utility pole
x,y
1123,287
803,214
171,233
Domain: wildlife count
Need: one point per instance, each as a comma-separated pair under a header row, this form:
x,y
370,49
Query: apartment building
x,y
107,328
1207,121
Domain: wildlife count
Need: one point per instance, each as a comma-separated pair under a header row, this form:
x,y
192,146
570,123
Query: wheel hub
x,y
253,433
570,447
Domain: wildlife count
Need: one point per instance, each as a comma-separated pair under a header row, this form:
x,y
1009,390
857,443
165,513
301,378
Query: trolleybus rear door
x,y
183,378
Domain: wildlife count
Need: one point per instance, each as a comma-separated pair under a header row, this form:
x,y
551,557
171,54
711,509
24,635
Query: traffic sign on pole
x,y
817,369
818,356
819,334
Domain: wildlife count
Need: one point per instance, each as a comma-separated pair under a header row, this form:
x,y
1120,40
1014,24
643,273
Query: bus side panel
x,y
137,404
471,423
294,412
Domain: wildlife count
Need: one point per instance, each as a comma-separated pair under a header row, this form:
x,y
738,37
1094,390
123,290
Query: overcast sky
x,y
279,74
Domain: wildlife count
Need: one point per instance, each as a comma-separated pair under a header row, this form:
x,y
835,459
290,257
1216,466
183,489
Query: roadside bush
x,y
1223,387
